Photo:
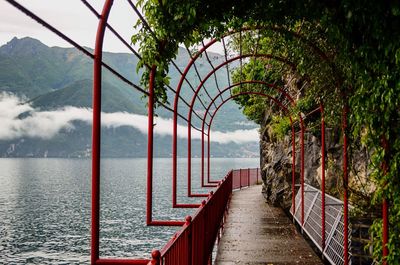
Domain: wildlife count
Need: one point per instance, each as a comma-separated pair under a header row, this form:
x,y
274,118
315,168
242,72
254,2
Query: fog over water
x,y
20,119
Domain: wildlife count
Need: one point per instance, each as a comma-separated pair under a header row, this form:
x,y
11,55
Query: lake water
x,y
45,207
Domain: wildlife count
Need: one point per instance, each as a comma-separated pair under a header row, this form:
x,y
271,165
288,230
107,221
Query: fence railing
x,y
312,226
245,177
194,243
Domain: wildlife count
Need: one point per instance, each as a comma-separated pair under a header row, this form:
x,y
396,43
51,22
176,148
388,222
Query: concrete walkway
x,y
259,234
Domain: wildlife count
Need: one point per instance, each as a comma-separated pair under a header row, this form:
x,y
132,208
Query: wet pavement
x,y
257,233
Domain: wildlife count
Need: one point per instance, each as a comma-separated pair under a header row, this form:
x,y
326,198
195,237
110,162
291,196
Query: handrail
x,y
333,247
245,177
194,243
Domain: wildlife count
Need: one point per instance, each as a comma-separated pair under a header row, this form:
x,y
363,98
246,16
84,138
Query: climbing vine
x,y
344,52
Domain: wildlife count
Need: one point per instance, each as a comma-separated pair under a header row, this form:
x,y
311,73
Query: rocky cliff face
x,y
276,170
276,166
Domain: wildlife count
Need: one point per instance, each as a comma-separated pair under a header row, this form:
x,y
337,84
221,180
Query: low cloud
x,y
19,119
245,123
238,136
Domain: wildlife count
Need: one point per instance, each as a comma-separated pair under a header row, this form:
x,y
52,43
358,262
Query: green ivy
x,y
347,52
281,126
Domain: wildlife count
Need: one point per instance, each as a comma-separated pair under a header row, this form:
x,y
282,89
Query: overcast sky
x,y
71,17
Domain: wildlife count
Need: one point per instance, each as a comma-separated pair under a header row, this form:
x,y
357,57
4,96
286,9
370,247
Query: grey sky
x,y
71,17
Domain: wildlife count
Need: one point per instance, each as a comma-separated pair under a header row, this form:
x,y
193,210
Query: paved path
x,y
259,234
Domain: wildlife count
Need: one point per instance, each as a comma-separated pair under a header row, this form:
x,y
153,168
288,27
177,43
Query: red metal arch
x,y
207,110
293,155
174,199
291,123
213,115
206,113
96,128
103,18
176,101
98,52
204,48
321,109
189,164
96,138
174,177
344,126
190,194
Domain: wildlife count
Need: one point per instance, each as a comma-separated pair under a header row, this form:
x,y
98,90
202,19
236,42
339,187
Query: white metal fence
x,y
334,227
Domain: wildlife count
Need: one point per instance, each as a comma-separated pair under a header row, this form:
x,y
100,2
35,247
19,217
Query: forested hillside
x,y
51,78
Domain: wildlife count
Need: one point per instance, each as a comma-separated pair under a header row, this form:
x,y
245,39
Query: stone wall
x,y
276,172
276,166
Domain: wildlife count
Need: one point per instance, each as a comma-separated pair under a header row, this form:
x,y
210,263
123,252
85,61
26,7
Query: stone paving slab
x,y
259,234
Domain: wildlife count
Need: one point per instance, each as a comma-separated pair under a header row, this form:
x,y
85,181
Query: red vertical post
x,y
385,207
208,155
189,239
202,146
240,178
385,230
345,185
96,133
155,257
189,155
293,167
174,154
322,178
302,168
248,177
202,156
150,133
257,174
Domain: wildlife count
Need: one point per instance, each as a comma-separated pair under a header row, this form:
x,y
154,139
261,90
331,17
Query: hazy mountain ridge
x,y
55,77
79,94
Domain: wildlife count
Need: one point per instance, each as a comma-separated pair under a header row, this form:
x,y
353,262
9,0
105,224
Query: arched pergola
x,y
175,118
99,63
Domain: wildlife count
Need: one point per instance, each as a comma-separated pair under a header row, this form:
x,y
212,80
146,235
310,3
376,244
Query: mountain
x,y
79,94
51,78
31,68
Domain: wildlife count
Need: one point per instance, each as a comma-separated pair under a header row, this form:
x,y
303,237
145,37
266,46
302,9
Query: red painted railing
x,y
195,242
245,177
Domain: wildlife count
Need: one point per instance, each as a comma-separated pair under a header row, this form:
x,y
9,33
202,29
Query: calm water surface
x,y
45,207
